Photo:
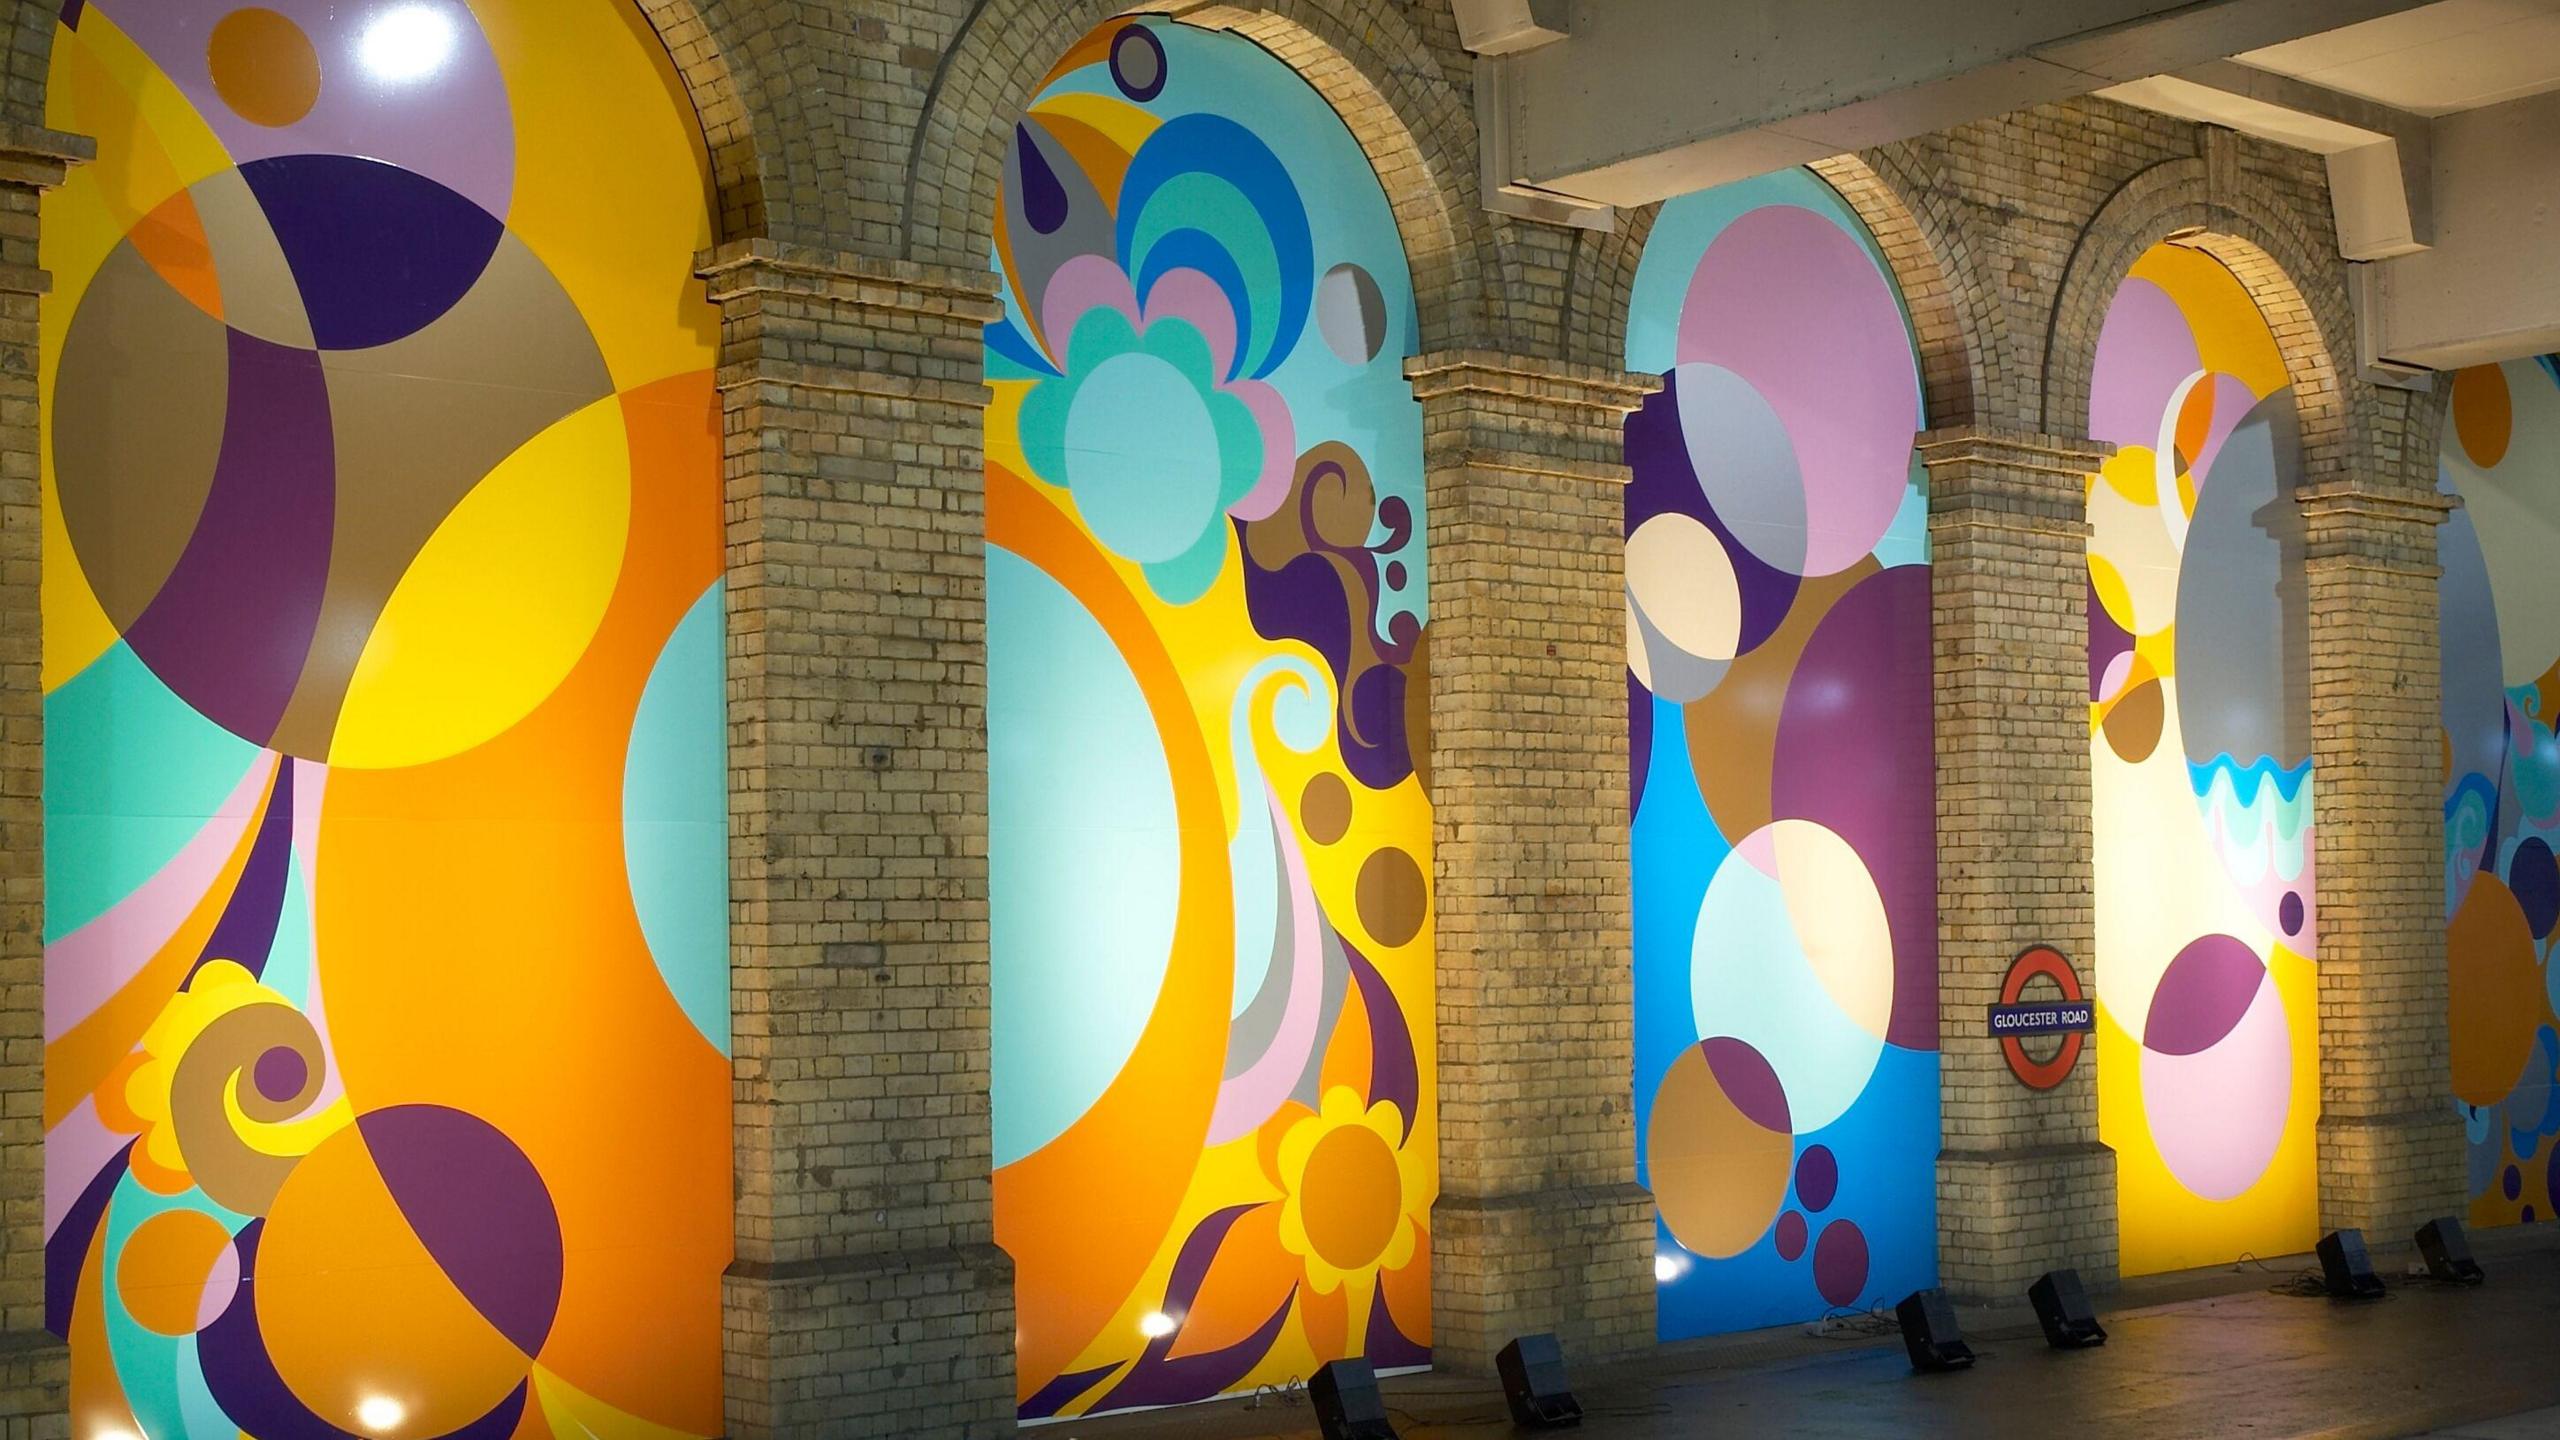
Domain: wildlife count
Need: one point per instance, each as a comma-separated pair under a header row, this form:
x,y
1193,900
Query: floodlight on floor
x,y
1930,1332
1533,1381
1347,1403
2063,1309
2448,1253
2346,1270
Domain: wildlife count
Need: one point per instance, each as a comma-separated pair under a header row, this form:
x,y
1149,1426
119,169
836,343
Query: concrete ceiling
x,y
2434,60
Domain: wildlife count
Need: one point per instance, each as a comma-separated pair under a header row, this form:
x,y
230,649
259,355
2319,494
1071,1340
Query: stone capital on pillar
x,y
1540,1225
868,1295
2024,1185
34,1366
2391,1144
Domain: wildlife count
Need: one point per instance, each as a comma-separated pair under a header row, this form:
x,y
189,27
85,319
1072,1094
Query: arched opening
x,y
387,972
1211,952
1365,58
1785,886
2200,743
2501,677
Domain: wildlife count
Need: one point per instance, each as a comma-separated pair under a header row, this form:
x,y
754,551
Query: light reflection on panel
x,y
1785,883
2208,1082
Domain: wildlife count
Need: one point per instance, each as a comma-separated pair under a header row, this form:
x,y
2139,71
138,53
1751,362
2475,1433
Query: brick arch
x,y
1363,56
750,196
700,36
2296,280
1927,249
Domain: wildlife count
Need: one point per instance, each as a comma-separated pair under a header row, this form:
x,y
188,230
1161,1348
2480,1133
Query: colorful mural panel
x,y
386,1001
2500,625
1209,840
2208,1023
1785,852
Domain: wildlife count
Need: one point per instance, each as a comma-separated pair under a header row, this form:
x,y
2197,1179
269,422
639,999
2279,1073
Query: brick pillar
x,y
1540,1224
2024,1185
868,1296
2391,1146
34,1366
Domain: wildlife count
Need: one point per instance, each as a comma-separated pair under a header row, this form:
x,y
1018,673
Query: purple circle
x,y
1791,1235
2534,875
480,1208
377,252
1840,1262
1395,574
2203,994
2512,1182
2289,912
281,1073
1137,63
1817,1177
1749,1081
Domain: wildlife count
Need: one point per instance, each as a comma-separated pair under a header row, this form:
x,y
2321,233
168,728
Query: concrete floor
x,y
2207,1353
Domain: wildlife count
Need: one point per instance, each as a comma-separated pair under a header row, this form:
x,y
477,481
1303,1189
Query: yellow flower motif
x,y
1349,1200
217,1090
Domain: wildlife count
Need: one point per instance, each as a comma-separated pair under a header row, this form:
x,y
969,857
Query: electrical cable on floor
x,y
1846,1324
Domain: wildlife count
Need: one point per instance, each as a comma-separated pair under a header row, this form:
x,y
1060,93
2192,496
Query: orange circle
x,y
353,1307
162,1271
1719,1177
263,66
2496,992
2483,414
1350,1197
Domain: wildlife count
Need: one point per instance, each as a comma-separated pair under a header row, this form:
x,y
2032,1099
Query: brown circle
x,y
263,66
1324,808
1391,896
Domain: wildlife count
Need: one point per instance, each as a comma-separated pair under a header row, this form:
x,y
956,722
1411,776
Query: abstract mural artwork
x,y
1786,1082
1209,835
2208,1024
386,990
2500,624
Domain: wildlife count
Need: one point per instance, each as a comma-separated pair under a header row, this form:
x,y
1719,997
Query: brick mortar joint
x,y
742,268
1557,384
2013,450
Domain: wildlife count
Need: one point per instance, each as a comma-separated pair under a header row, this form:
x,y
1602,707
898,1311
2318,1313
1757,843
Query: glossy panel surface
x,y
1785,855
387,975
1209,842
2208,1025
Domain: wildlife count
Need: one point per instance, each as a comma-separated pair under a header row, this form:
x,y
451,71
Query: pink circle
x,y
2219,1113
1794,305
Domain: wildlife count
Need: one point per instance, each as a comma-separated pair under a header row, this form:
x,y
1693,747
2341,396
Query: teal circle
x,y
1142,457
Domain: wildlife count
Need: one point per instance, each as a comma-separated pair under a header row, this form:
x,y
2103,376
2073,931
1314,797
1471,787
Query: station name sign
x,y
2063,1010
2074,1017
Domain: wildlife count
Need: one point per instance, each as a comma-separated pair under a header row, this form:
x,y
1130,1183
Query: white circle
x,y
379,1413
1155,1325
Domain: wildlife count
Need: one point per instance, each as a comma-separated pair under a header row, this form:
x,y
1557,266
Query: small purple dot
x,y
1817,1178
281,1073
1395,575
2514,1182
2289,911
2528,1214
1791,1234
